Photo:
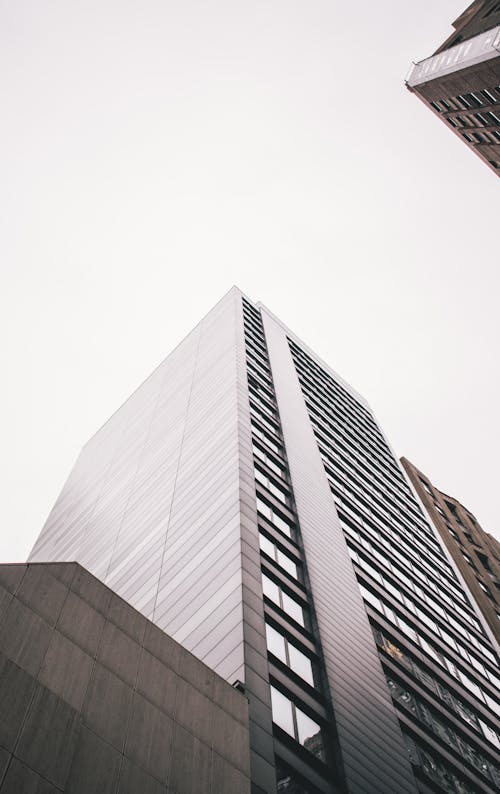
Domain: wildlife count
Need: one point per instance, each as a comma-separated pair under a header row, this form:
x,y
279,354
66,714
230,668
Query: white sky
x,y
155,152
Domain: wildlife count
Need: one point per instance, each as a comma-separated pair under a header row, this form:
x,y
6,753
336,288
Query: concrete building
x,y
460,82
245,501
475,552
95,699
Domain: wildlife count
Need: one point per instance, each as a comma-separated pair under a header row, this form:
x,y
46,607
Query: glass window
x,y
300,664
475,662
428,622
282,525
490,734
390,614
292,608
283,560
276,643
493,704
307,729
278,522
266,545
259,433
297,724
277,492
271,590
262,455
429,649
261,477
264,509
371,598
282,711
426,487
406,629
353,554
370,569
488,95
393,590
283,600
288,653
286,563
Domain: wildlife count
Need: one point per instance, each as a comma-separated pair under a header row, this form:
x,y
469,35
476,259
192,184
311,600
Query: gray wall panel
x,y
357,684
104,714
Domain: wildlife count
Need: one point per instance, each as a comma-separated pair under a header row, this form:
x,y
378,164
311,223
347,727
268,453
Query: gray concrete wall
x,y
94,698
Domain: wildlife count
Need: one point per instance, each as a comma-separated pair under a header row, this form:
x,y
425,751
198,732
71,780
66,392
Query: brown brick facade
x,y
476,553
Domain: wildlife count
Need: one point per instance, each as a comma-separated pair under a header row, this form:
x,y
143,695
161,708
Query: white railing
x,y
480,48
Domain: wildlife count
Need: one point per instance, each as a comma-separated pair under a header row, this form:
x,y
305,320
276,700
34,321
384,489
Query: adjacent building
x,y
246,502
475,552
95,699
460,82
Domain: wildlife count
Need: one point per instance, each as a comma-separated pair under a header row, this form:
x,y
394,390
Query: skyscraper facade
x,y
245,500
476,552
460,82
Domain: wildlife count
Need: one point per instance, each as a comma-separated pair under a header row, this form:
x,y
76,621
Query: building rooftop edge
x,y
315,356
482,47
59,565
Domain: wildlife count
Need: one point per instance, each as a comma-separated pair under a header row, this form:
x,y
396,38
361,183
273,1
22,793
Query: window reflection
x,y
283,560
283,600
309,734
266,545
276,643
279,522
271,590
289,654
300,664
282,711
298,725
286,563
292,608
275,489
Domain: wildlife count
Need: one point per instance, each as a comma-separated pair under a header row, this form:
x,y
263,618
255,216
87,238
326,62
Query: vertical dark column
x,y
373,752
256,668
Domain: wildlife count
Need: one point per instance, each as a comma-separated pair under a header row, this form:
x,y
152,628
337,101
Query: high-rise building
x,y
476,552
245,500
460,82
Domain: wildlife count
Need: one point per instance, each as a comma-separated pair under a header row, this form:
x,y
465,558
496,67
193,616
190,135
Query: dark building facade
x,y
245,501
460,82
475,552
95,699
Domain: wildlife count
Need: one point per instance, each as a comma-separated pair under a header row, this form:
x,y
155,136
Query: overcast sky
x,y
153,153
